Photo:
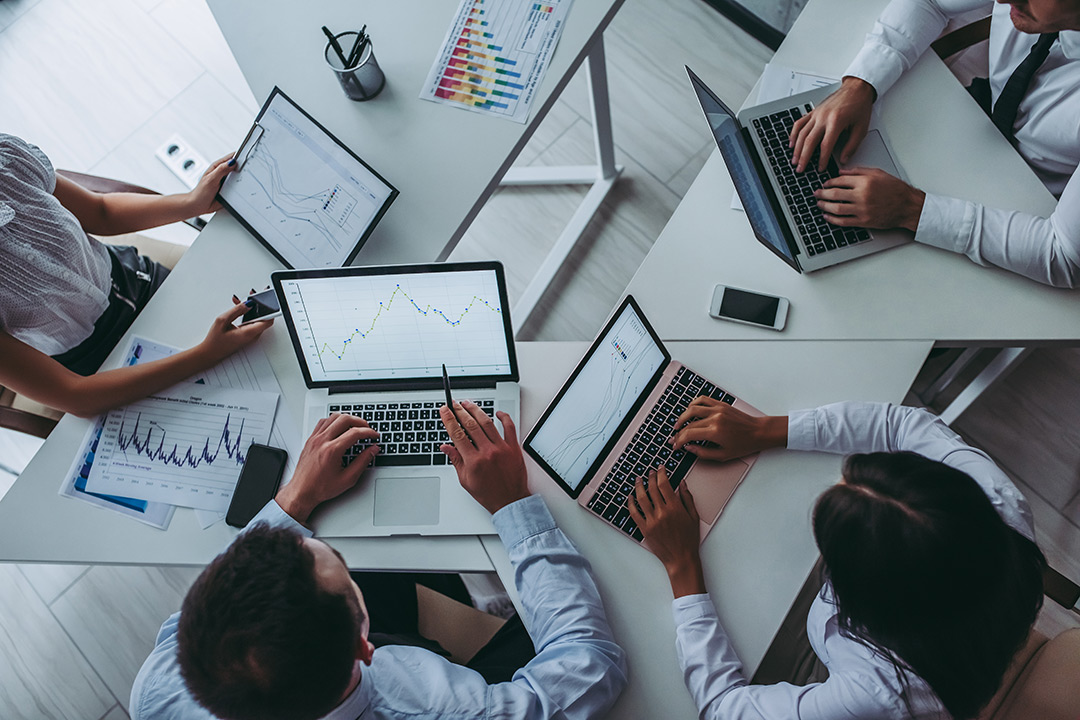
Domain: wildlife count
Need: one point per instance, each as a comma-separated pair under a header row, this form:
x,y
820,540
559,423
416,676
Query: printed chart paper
x,y
495,54
183,446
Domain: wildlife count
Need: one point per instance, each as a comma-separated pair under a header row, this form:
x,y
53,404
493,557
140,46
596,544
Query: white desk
x,y
946,145
761,550
445,161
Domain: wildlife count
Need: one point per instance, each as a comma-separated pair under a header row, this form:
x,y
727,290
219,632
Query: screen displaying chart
x,y
300,191
613,377
399,326
183,446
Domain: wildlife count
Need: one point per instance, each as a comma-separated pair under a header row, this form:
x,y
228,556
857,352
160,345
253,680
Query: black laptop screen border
x,y
336,386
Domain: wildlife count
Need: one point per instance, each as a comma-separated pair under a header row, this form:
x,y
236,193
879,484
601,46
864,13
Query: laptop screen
x,y
596,404
399,323
748,182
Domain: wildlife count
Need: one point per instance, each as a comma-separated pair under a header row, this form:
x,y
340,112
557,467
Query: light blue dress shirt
x,y
578,671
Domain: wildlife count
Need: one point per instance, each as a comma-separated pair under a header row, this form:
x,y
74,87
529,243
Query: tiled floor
x,y
132,72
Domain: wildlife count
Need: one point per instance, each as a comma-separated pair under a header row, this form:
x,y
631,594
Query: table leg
x,y
601,176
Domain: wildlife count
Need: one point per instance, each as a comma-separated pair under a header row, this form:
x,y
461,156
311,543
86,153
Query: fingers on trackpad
x,y
406,501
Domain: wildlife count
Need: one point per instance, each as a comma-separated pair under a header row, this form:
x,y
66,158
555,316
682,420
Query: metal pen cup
x,y
365,79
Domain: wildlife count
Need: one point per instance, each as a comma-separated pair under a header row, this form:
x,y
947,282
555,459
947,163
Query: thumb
x,y
687,498
452,453
364,460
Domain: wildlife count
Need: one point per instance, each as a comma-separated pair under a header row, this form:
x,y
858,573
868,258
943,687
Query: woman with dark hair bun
x,y
931,577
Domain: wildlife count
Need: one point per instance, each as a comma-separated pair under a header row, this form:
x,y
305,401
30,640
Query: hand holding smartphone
x,y
749,308
263,306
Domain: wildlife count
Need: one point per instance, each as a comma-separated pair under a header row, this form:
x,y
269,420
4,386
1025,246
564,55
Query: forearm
x,y
121,213
43,379
1046,250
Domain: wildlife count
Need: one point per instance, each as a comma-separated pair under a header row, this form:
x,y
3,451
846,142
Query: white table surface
x,y
946,145
761,549
445,161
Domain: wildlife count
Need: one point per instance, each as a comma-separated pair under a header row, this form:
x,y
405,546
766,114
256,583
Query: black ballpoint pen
x,y
446,387
337,47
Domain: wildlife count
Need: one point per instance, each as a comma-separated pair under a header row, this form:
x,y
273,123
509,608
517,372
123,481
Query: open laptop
x,y
611,422
778,201
372,341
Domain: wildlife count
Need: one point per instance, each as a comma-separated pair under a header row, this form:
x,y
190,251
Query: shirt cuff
x,y
877,64
802,430
273,515
692,607
523,519
945,223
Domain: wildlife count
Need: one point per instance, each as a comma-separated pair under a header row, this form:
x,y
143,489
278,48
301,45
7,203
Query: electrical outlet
x,y
185,162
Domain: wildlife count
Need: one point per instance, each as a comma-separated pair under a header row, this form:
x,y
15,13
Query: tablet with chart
x,y
395,325
183,446
302,193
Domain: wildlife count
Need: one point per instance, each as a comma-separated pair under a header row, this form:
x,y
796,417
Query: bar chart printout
x,y
183,446
495,55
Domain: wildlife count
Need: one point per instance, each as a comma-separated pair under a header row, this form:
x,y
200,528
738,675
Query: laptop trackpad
x,y
406,501
873,152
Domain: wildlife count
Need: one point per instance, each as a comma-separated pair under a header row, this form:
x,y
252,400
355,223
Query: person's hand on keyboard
x,y
870,198
846,111
714,430
489,466
669,522
319,474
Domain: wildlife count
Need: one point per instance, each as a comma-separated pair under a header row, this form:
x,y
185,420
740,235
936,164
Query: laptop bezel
x,y
432,383
763,174
362,240
623,424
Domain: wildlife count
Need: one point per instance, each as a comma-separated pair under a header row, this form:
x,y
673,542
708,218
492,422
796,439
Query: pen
x,y
446,387
357,48
336,46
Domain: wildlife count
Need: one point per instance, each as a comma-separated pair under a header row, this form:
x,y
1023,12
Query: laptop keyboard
x,y
410,433
649,449
798,188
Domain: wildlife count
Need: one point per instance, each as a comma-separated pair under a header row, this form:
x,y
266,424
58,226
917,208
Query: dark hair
x,y
258,638
927,574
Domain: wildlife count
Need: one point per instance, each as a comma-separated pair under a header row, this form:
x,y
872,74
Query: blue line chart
x,y
189,457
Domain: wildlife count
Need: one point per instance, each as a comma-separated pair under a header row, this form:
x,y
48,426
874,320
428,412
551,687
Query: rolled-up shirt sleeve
x,y
901,35
1046,250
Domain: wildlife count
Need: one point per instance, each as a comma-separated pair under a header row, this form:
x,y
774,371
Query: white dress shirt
x,y
577,673
1047,136
860,684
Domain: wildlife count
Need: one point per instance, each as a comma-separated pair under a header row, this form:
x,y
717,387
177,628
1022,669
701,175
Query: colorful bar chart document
x,y
495,55
183,446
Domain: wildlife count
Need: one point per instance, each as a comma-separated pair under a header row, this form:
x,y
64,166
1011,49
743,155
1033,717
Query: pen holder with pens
x,y
360,75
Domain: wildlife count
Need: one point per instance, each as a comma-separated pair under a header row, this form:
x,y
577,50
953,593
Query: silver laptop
x,y
778,201
611,422
372,341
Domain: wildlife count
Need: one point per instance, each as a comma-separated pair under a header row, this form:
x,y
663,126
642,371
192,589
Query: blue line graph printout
x,y
613,377
183,446
301,191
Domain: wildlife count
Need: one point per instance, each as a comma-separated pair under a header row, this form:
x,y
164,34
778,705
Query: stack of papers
x,y
182,447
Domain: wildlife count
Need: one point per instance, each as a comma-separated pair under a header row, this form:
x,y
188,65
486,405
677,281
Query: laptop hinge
x,y
406,386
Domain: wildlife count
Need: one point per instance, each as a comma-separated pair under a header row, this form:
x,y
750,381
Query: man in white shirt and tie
x,y
1034,86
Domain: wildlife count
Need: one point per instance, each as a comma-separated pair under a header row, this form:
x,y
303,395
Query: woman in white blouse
x,y
66,299
932,579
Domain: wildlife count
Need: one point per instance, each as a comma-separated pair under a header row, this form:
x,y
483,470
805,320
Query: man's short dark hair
x,y
259,639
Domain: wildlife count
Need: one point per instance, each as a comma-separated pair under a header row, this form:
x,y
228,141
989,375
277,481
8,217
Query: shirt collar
x,y
1070,44
358,702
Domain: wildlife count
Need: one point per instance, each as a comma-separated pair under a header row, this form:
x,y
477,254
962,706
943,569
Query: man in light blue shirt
x,y
275,627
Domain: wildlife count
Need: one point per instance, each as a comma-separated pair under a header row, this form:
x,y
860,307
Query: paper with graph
x,y
183,446
495,54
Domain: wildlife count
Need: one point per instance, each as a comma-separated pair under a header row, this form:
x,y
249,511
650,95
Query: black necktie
x,y
1004,115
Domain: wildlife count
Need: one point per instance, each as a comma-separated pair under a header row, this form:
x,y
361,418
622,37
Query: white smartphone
x,y
262,306
750,308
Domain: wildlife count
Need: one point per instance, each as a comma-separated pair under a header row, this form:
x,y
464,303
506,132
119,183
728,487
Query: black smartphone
x,y
264,306
258,483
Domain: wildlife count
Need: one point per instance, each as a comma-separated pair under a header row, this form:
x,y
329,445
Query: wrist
x,y
916,200
858,86
686,575
772,431
295,504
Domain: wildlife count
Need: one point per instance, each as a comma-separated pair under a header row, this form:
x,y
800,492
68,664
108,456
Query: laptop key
x,y
401,460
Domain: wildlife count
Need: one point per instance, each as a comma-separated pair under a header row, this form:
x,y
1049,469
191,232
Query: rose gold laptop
x,y
611,422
